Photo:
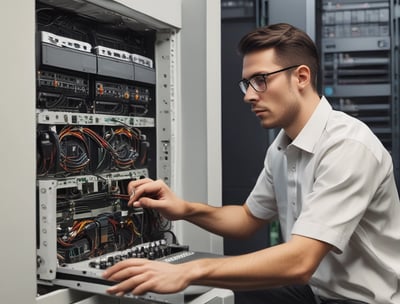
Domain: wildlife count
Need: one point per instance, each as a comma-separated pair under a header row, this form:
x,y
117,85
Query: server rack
x,y
358,71
99,125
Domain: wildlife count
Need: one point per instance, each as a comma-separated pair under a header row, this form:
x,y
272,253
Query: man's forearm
x,y
228,221
290,263
247,272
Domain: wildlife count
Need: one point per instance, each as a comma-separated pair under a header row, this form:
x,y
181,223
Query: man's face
x,y
278,105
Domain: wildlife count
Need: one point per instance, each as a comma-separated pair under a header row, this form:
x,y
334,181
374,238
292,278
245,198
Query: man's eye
x,y
258,80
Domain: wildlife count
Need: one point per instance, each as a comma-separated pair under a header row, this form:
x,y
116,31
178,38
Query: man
x,y
326,177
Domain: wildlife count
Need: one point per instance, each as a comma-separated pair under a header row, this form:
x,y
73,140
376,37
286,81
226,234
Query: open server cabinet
x,y
101,122
105,95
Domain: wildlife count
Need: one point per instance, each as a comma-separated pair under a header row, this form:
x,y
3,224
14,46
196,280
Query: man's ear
x,y
303,74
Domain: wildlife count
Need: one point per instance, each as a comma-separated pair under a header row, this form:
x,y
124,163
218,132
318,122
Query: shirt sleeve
x,y
346,177
261,201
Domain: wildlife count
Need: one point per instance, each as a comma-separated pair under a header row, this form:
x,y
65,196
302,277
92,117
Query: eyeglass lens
x,y
257,82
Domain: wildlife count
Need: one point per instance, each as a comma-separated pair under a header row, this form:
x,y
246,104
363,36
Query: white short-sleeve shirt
x,y
334,182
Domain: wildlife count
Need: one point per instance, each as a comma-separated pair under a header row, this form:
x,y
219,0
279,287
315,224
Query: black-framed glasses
x,y
259,81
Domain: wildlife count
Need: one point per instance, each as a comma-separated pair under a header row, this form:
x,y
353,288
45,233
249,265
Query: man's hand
x,y
147,193
141,275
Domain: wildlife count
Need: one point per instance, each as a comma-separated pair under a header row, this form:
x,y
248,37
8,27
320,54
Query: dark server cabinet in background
x,y
244,141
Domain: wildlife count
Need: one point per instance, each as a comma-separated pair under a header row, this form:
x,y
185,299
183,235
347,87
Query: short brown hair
x,y
292,46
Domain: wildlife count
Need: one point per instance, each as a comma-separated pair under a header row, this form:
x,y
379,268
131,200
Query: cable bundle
x,y
74,155
78,150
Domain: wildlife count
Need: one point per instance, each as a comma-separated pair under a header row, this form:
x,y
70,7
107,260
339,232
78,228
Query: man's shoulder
x,y
343,125
341,129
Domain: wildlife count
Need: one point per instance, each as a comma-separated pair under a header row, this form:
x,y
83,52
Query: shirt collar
x,y
311,132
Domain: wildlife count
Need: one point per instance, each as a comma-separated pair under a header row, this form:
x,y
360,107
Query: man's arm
x,y
291,263
228,221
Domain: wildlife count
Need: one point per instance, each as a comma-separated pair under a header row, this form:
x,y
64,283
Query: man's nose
x,y
251,95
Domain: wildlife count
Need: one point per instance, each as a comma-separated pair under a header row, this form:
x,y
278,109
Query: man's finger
x,y
109,273
129,285
150,189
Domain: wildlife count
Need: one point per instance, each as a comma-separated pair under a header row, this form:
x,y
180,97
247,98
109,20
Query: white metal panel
x,y
17,153
213,97
63,296
199,138
168,12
